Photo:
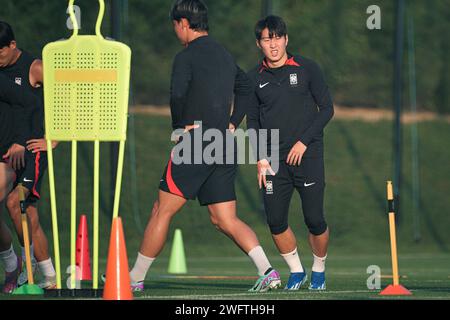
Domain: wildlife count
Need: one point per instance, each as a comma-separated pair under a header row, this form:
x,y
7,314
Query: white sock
x,y
319,263
259,258
8,259
33,259
46,268
293,261
141,267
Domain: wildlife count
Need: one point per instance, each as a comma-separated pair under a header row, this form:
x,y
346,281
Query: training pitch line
x,y
254,295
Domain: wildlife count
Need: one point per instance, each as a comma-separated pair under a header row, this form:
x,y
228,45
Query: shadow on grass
x,y
184,286
358,160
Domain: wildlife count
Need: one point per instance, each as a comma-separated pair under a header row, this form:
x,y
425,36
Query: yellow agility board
x,y
86,88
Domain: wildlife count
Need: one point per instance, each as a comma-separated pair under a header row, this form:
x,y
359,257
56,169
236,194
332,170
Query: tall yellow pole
x,y
395,288
390,197
96,212
73,215
26,237
51,179
119,179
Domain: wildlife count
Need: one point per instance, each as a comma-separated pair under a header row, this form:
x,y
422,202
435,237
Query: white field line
x,y
252,295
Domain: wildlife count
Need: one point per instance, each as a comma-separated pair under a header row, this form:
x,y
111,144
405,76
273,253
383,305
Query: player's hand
x,y
191,127
177,133
16,156
37,145
295,155
263,167
231,127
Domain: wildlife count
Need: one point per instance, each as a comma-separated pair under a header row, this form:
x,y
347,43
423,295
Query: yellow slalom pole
x,y
119,179
395,288
390,197
73,215
51,179
96,212
26,237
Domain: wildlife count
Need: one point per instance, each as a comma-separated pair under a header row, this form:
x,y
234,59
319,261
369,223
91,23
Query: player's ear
x,y
257,44
287,40
185,23
13,44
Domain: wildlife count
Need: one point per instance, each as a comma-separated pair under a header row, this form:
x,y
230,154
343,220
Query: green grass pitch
x,y
358,163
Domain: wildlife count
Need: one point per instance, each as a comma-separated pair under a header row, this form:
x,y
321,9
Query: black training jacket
x,y
205,78
29,123
12,97
293,98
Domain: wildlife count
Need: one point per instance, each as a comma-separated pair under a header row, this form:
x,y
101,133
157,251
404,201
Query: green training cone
x,y
177,262
29,289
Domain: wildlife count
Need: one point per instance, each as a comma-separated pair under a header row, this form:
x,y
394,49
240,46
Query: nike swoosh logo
x,y
263,85
308,184
26,180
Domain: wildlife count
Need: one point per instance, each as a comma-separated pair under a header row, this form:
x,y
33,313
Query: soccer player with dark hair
x,y
291,95
11,97
204,78
27,155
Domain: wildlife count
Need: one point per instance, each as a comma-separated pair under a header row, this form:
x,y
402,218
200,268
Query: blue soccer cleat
x,y
296,280
317,281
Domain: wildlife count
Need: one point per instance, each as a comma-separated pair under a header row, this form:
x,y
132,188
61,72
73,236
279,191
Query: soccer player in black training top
x,y
204,78
290,94
30,147
11,97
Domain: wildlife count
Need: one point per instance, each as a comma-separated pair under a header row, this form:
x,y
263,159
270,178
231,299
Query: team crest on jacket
x,y
269,187
293,79
19,81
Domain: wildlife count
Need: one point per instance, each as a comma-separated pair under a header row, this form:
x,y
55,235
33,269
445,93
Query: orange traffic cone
x,y
117,284
83,262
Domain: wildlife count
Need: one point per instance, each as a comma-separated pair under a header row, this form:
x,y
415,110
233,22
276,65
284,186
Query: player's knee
x,y
12,202
162,214
155,208
316,226
277,226
34,218
277,223
214,221
223,225
3,192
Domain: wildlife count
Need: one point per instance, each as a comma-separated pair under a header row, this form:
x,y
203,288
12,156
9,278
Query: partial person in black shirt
x,y
26,71
204,79
291,95
12,97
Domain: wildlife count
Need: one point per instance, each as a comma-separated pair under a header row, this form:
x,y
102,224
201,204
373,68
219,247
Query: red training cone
x,y
117,284
83,262
395,290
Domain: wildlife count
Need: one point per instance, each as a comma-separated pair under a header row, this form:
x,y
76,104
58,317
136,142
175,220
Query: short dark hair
x,y
276,25
6,34
194,11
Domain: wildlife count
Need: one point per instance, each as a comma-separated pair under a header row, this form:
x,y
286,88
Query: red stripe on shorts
x,y
36,174
170,183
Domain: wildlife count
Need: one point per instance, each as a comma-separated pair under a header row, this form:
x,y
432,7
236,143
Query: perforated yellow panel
x,y
86,89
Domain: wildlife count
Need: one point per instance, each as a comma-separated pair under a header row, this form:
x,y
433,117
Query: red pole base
x,y
398,290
